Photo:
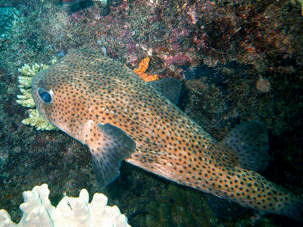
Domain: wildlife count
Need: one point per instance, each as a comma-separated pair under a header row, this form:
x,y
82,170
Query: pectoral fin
x,y
111,147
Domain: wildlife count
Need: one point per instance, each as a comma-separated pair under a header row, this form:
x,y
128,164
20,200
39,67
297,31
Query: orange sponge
x,y
140,71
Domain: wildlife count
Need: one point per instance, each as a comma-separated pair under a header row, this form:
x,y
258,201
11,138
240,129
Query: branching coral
x,y
71,211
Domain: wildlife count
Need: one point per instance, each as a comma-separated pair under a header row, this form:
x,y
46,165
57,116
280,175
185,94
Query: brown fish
x,y
104,105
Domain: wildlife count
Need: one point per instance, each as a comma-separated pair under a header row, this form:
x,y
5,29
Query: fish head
x,y
58,99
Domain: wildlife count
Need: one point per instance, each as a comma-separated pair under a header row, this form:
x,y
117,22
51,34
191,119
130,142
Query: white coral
x,y
70,212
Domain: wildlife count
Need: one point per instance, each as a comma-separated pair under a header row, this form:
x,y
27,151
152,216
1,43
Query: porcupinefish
x,y
104,105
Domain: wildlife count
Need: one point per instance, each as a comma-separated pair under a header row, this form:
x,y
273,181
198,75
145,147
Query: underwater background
x,y
237,61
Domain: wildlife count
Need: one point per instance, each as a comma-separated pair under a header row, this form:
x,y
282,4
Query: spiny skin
x,y
89,89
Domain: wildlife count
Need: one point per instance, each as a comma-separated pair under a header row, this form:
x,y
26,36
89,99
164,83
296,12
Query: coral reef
x,y
38,211
9,17
224,46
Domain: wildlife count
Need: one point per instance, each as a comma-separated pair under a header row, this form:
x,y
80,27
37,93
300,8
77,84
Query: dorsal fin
x,y
168,87
249,143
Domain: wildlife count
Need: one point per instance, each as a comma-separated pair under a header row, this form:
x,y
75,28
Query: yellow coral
x,y
26,99
36,120
140,71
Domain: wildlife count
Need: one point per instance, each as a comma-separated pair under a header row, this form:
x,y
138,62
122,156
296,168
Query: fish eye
x,y
44,95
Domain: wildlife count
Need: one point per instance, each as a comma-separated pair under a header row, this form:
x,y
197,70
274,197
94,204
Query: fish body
x,y
103,104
